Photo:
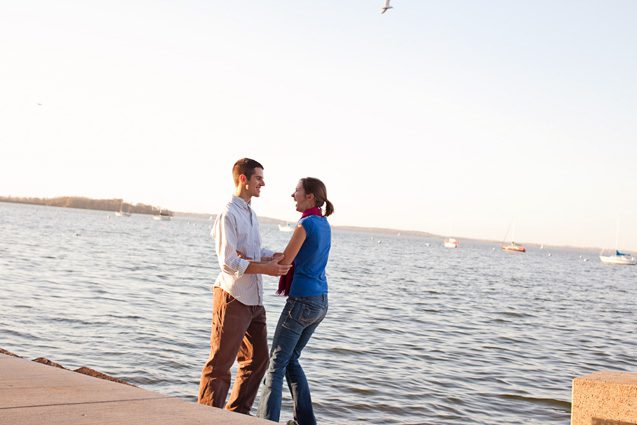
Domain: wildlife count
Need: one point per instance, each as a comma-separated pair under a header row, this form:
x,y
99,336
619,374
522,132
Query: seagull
x,y
386,7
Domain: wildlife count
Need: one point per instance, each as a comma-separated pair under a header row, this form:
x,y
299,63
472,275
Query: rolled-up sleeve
x,y
224,233
266,253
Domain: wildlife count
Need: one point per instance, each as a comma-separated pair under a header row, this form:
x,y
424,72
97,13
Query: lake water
x,y
415,333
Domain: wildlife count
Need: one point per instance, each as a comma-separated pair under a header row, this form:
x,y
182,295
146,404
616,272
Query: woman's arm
x,y
277,256
289,253
294,246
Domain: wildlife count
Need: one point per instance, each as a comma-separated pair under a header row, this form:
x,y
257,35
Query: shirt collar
x,y
240,202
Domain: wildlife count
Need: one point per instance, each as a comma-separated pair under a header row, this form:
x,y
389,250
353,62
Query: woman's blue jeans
x,y
299,319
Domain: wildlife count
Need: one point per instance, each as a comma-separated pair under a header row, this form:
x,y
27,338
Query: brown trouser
x,y
238,330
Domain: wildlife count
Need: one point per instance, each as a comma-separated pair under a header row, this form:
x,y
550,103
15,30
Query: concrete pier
x,y
33,394
605,398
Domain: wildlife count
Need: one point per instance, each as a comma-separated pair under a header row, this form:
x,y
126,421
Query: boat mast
x,y
617,235
507,233
513,232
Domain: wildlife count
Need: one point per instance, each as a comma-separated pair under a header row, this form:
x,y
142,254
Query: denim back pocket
x,y
302,315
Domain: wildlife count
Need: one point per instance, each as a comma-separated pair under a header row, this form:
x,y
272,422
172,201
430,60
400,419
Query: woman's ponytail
x,y
329,208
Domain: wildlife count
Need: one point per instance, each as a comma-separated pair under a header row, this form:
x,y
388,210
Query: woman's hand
x,y
267,265
278,256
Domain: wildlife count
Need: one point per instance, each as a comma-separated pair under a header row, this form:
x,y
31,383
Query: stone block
x,y
605,398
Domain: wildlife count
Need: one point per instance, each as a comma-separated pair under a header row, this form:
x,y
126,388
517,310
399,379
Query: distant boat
x,y
451,243
121,212
162,216
619,258
286,227
513,247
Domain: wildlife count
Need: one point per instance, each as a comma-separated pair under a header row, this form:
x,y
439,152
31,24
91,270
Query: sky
x,y
464,118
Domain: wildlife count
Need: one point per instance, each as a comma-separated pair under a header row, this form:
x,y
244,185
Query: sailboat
x,y
620,258
451,243
286,227
162,216
121,212
512,246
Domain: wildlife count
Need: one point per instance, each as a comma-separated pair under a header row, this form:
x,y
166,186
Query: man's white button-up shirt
x,y
237,229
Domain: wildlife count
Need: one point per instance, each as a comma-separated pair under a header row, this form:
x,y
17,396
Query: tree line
x,y
90,204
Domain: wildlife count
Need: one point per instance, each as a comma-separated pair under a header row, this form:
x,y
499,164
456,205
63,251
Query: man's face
x,y
255,183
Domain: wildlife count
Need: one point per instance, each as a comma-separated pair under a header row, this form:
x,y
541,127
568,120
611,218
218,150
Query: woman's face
x,y
303,200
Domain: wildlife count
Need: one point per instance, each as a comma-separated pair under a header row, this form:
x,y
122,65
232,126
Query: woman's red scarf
x,y
285,281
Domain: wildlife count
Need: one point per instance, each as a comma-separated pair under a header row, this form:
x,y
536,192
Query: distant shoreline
x,y
114,205
79,202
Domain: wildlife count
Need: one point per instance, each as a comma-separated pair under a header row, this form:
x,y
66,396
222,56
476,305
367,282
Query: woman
x,y
306,306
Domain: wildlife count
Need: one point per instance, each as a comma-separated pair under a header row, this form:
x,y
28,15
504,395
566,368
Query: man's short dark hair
x,y
246,167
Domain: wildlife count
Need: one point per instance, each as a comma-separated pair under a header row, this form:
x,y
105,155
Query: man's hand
x,y
269,266
273,268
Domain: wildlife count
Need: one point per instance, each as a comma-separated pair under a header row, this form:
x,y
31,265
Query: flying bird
x,y
386,7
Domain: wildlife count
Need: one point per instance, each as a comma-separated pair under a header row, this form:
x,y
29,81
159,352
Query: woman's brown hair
x,y
317,188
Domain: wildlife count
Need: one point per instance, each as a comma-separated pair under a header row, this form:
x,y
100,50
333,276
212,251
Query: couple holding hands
x,y
238,316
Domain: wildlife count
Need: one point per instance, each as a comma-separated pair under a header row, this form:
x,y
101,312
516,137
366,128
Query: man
x,y
238,316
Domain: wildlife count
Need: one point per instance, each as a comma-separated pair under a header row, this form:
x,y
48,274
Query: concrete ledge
x,y
33,393
605,398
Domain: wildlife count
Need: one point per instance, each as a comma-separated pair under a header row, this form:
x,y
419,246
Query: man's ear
x,y
242,178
